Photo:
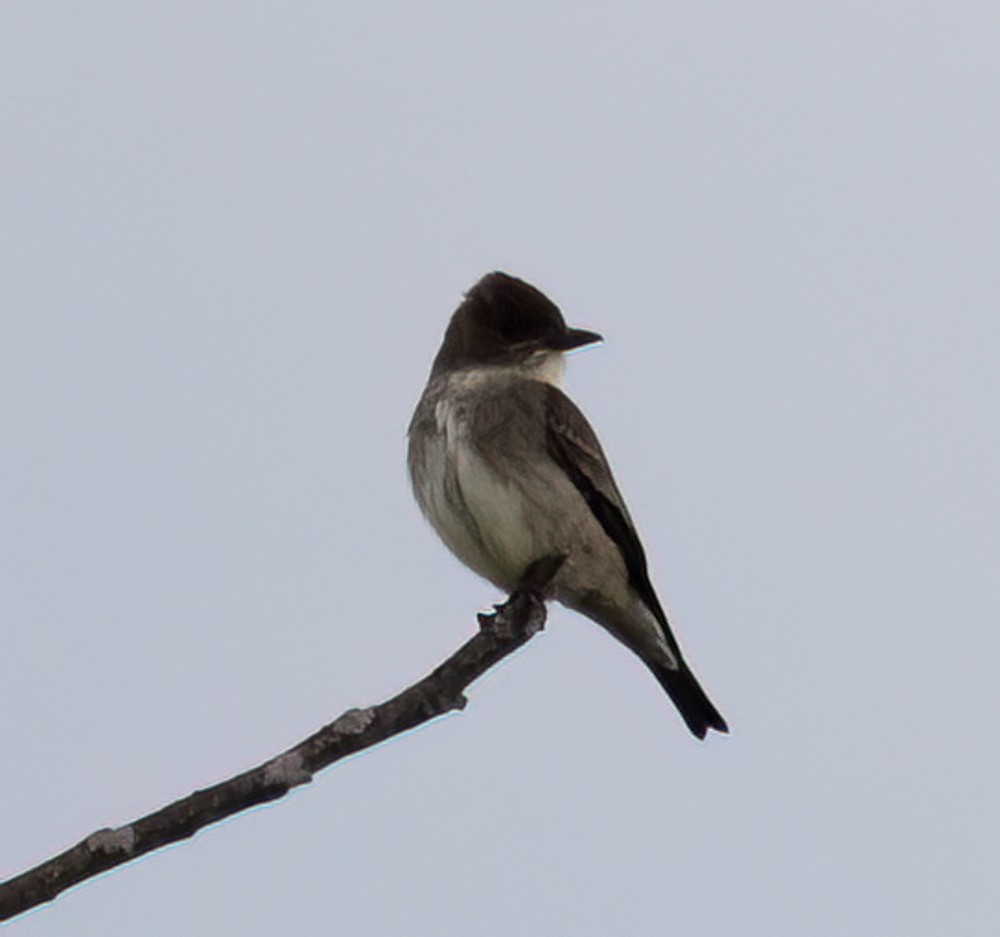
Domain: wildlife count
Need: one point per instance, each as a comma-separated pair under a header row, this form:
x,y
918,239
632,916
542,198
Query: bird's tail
x,y
690,699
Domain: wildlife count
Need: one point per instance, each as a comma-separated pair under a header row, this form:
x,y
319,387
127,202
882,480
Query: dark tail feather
x,y
689,698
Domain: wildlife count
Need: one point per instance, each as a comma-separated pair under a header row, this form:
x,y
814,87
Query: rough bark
x,y
441,691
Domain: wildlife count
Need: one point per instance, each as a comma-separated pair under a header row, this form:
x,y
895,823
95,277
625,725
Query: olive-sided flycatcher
x,y
508,471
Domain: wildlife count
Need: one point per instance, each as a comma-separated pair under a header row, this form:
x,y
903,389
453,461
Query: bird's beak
x,y
575,338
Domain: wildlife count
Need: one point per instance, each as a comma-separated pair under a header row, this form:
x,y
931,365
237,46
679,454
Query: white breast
x,y
495,521
488,529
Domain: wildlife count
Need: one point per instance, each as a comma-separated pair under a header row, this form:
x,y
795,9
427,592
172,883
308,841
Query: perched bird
x,y
508,471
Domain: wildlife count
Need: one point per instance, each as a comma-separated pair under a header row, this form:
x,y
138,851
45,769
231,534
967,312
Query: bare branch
x,y
441,691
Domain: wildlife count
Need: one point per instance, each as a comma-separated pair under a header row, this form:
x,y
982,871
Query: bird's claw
x,y
521,616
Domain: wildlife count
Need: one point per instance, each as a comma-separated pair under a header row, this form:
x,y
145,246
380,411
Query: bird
x,y
508,471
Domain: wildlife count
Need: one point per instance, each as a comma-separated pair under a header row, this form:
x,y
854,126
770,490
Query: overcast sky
x,y
232,234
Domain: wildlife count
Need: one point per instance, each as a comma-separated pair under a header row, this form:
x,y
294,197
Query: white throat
x,y
546,366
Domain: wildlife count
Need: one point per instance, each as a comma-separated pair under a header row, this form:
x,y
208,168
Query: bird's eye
x,y
516,328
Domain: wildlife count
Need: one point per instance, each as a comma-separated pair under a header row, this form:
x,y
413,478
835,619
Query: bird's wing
x,y
573,445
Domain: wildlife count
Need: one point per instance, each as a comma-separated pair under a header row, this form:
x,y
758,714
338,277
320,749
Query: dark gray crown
x,y
504,320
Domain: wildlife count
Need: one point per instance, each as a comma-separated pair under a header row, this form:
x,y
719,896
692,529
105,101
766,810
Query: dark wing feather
x,y
574,446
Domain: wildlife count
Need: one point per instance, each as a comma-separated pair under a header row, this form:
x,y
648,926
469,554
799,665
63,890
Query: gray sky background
x,y
232,234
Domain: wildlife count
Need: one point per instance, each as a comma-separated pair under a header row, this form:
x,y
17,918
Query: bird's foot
x,y
521,616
